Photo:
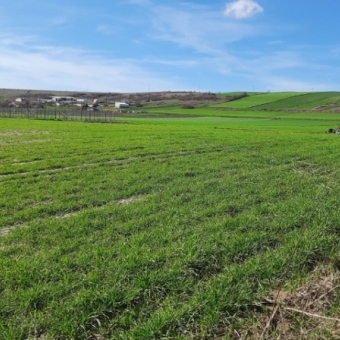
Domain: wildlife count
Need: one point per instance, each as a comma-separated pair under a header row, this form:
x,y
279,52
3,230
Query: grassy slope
x,y
227,94
307,101
286,100
256,100
298,119
158,228
330,102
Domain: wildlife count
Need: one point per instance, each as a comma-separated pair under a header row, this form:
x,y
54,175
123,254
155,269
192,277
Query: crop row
x,y
150,229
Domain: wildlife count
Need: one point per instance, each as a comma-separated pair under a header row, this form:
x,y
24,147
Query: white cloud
x,y
49,67
279,84
10,39
242,9
204,31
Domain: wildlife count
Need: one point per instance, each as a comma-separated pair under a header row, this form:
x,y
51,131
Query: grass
x,y
228,94
259,99
253,118
328,102
304,102
323,101
159,228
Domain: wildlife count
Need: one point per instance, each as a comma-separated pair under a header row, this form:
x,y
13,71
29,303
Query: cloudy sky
x,y
149,45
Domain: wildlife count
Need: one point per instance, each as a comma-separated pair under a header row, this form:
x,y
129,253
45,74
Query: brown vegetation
x,y
109,98
305,313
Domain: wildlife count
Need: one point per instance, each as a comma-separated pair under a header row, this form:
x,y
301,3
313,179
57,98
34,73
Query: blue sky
x,y
147,45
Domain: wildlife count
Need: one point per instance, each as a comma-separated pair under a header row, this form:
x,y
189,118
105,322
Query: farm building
x,y
83,100
121,105
63,99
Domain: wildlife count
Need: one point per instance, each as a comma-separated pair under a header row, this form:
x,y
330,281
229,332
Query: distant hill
x,y
276,101
287,101
142,98
259,99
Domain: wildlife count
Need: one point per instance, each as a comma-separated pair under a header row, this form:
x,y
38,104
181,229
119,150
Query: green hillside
x,y
260,99
237,93
319,100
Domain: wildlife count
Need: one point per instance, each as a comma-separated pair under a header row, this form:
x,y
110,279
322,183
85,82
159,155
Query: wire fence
x,y
59,114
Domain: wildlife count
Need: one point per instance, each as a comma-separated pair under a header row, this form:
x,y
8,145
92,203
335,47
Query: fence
x,y
58,114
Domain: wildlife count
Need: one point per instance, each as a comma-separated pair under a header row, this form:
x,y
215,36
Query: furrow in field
x,y
122,201
120,161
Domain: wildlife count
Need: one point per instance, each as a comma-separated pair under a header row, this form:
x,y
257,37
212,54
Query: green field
x,y
164,228
259,99
304,102
228,94
293,118
281,101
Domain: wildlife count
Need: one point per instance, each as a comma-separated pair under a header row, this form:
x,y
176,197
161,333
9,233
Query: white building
x,y
63,99
83,100
121,105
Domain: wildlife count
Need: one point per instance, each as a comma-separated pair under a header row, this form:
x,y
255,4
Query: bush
x,y
187,106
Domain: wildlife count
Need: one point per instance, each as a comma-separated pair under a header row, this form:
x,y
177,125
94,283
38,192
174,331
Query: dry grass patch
x,y
67,215
6,231
305,313
123,201
25,163
130,200
23,133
